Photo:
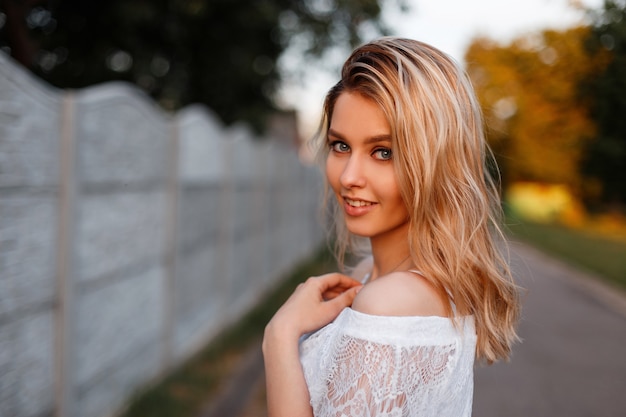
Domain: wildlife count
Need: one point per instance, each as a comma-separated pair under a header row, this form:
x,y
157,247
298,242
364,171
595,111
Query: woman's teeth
x,y
357,203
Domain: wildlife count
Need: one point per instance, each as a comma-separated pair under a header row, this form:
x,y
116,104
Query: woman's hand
x,y
315,303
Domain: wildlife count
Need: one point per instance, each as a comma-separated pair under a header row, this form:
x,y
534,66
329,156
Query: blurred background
x,y
544,69
157,200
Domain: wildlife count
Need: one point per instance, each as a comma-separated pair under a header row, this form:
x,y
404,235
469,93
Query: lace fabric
x,y
362,365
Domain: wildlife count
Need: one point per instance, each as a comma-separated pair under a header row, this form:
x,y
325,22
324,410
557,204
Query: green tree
x,y
222,53
605,159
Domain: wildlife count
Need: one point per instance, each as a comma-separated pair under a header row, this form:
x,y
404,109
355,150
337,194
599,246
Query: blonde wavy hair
x,y
442,166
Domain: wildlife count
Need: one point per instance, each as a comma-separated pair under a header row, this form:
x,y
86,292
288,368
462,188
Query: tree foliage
x,y
222,53
529,90
605,159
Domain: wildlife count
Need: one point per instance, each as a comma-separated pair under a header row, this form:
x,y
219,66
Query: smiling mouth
x,y
357,203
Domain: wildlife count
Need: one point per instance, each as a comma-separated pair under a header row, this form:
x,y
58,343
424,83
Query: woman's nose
x,y
353,174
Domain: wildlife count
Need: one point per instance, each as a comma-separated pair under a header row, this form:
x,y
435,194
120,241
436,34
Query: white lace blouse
x,y
365,365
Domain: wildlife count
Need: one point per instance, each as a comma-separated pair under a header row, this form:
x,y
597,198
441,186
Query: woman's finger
x,y
336,280
332,286
343,300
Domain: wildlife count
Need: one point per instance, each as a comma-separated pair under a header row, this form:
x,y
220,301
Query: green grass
x,y
184,392
603,255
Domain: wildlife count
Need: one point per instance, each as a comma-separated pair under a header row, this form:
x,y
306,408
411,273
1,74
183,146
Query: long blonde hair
x,y
441,162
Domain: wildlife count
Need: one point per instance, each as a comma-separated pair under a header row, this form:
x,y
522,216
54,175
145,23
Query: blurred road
x,y
572,361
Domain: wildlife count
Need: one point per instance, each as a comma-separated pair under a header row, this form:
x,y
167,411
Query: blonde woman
x,y
404,153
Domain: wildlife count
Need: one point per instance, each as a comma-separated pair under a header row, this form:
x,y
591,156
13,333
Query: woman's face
x,y
360,170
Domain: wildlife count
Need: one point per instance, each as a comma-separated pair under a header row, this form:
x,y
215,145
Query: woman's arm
x,y
287,393
313,305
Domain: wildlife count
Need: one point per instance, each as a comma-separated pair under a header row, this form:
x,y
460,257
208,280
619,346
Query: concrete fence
x,y
129,237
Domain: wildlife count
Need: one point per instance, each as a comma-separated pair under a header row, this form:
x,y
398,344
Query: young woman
x,y
404,153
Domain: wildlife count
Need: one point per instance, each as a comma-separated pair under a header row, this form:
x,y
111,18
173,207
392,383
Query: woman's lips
x,y
356,207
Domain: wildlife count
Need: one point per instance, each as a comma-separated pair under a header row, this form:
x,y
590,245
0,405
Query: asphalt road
x,y
572,360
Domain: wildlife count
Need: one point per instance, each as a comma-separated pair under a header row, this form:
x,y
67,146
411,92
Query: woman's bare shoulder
x,y
399,294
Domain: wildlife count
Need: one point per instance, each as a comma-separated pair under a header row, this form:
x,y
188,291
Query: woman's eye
x,y
339,146
383,154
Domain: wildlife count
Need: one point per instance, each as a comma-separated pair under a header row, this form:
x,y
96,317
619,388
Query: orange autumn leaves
x,y
537,121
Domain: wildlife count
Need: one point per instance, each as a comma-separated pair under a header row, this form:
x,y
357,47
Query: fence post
x,y
171,244
64,381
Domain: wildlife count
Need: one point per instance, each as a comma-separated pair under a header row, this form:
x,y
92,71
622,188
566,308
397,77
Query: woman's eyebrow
x,y
335,134
368,141
377,138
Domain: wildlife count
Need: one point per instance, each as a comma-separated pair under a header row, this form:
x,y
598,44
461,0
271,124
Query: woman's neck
x,y
390,253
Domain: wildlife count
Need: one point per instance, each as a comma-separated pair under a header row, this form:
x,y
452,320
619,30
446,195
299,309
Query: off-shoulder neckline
x,y
376,316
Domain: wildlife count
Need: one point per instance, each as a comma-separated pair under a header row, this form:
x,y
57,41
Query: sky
x,y
449,25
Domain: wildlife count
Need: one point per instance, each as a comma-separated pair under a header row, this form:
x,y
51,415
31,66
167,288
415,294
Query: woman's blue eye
x,y
383,154
339,146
